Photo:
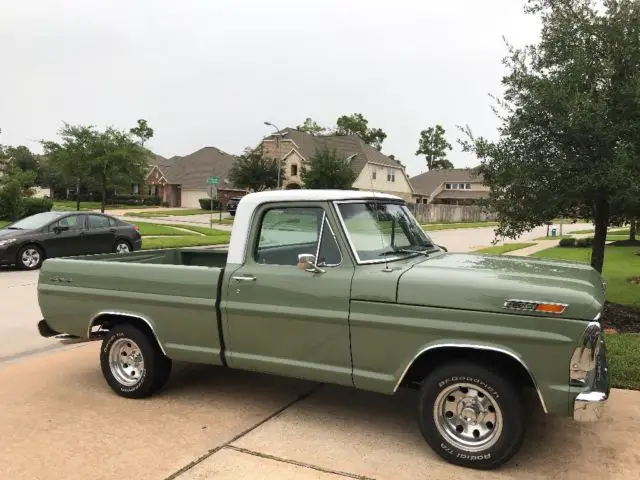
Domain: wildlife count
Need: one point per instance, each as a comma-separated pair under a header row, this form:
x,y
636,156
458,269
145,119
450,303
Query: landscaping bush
x,y
153,200
32,206
205,204
568,242
126,200
584,242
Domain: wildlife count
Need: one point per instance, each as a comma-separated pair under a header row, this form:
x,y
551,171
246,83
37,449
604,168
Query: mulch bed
x,y
621,318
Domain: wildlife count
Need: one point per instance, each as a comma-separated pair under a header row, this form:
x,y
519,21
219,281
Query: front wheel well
x,y
107,321
424,364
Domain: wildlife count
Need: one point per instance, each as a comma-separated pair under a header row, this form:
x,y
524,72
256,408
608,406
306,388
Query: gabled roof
x,y
346,145
192,171
426,183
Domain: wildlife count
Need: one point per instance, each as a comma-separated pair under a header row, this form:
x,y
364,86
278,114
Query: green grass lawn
x,y
171,213
502,249
186,241
4,223
620,263
156,229
209,232
432,227
623,354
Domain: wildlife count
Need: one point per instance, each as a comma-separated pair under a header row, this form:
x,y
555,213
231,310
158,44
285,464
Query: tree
x,y
116,159
327,169
434,146
15,185
71,158
142,131
356,124
256,171
312,127
570,113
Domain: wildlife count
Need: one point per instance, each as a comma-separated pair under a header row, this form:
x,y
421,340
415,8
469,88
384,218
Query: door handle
x,y
244,278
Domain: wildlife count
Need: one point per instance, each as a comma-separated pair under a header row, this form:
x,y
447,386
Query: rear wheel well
x,y
107,321
429,360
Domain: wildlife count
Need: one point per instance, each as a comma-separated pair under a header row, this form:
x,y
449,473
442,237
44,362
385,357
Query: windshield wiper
x,y
405,250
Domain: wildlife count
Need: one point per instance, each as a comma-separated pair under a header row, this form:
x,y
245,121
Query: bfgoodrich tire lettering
x,y
132,363
471,416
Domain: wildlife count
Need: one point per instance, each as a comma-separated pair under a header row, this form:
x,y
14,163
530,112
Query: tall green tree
x,y
142,131
327,169
15,185
71,157
356,124
117,159
312,127
434,146
256,171
570,114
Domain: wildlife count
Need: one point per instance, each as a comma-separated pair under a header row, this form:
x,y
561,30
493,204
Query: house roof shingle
x,y
426,183
192,171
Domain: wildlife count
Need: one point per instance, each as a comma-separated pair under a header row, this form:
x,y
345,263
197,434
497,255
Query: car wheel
x,y
122,246
30,257
471,416
132,364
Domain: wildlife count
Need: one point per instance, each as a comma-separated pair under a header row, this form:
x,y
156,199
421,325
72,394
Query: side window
x,y
97,221
113,222
329,253
286,233
74,222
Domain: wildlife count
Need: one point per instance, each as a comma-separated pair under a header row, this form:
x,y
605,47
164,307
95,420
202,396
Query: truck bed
x,y
173,256
175,290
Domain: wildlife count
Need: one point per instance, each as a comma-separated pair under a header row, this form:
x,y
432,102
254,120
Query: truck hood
x,y
485,283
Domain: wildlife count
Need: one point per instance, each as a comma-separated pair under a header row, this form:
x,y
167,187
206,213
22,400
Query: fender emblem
x,y
535,306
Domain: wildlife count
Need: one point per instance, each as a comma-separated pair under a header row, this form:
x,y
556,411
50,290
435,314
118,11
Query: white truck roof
x,y
251,201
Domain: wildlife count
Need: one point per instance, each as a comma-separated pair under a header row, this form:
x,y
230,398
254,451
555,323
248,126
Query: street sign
x,y
213,181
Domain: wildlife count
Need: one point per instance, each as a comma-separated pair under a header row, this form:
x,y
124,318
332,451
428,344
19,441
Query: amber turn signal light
x,y
550,308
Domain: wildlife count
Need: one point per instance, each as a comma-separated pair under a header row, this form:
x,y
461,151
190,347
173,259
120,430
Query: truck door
x,y
283,319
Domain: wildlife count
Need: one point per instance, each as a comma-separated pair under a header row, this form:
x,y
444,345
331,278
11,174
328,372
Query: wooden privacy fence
x,y
430,213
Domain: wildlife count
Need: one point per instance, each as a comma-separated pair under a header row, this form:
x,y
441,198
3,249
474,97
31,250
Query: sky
x,y
211,72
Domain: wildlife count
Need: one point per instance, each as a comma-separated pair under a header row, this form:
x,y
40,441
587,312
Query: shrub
x,y
568,242
36,205
584,242
205,204
153,200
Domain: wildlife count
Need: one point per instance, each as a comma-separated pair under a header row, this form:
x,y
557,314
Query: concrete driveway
x,y
60,421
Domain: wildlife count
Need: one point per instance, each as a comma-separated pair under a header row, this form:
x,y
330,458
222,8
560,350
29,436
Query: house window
x,y
467,186
153,190
136,189
448,186
391,175
373,174
294,170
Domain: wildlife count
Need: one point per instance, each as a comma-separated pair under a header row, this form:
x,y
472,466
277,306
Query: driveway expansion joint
x,y
275,414
298,464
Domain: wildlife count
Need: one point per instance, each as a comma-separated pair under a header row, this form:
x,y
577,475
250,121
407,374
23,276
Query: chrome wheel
x,y
468,417
30,257
122,247
126,362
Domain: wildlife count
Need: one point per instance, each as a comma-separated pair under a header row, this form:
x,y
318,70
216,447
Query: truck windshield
x,y
380,231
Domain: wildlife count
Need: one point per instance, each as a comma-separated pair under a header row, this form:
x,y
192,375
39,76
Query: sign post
x,y
212,182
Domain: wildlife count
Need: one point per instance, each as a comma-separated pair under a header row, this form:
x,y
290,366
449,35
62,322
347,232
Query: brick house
x,y
182,181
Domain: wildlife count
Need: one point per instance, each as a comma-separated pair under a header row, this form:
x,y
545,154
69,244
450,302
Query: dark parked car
x,y
232,205
28,242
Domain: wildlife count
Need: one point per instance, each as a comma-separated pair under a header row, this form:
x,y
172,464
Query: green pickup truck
x,y
345,287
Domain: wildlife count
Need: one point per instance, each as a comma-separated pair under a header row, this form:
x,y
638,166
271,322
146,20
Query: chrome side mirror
x,y
307,262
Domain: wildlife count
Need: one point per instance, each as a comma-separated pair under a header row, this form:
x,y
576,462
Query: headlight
x,y
4,243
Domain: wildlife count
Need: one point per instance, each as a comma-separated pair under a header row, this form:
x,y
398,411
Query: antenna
x,y
373,191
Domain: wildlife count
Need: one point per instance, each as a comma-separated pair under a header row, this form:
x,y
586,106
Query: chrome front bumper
x,y
590,369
